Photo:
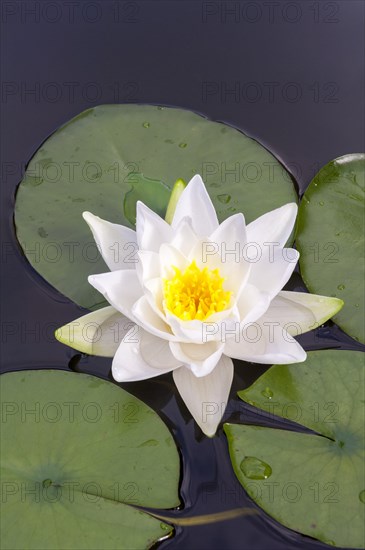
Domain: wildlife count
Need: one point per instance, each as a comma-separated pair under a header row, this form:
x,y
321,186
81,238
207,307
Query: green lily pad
x,y
311,483
99,161
330,238
78,455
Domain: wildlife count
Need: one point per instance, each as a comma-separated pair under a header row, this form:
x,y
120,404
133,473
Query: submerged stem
x,y
209,518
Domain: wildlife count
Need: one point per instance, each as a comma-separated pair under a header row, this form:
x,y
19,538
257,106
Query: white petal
x,y
188,331
148,271
130,365
152,230
252,303
206,398
201,359
184,236
199,332
116,243
195,203
299,312
148,266
154,294
120,288
97,333
267,343
156,351
151,321
231,232
273,270
171,257
273,227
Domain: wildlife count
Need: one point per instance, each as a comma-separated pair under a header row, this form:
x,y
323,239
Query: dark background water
x,y
289,73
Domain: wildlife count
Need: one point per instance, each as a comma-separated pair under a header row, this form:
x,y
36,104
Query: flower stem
x,y
178,188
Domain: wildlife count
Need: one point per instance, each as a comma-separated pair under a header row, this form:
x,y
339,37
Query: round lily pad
x,y
79,455
110,156
312,483
331,238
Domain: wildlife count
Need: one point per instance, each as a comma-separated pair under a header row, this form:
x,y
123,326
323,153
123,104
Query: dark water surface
x,y
288,73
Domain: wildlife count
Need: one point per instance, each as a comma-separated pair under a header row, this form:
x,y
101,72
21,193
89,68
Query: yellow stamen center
x,y
195,293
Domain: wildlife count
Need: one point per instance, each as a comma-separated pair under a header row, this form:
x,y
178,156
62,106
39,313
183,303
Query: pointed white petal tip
x,y
300,357
290,209
195,202
88,216
334,305
290,357
91,279
209,432
60,335
196,180
143,210
94,333
324,307
206,397
140,206
318,309
274,226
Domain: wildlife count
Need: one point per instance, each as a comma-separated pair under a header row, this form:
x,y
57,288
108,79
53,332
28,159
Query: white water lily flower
x,y
195,294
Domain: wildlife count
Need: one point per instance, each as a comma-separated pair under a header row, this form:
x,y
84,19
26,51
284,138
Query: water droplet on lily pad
x,y
354,197
149,443
321,203
254,468
183,145
46,483
33,180
42,232
341,287
146,125
224,198
164,526
267,393
362,496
